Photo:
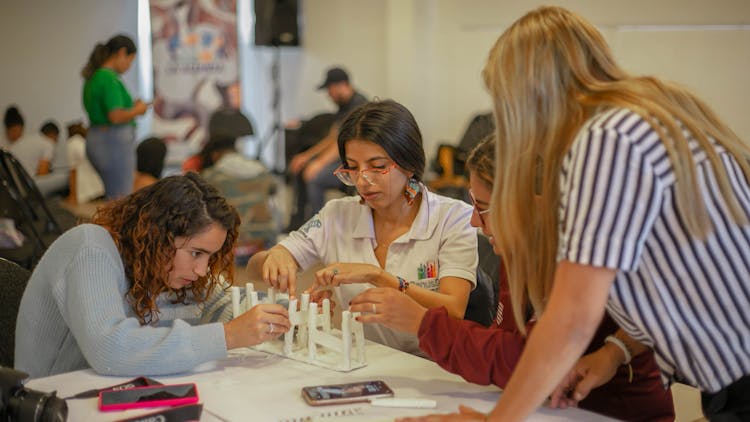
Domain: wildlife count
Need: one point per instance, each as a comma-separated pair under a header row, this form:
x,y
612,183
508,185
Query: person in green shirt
x,y
111,110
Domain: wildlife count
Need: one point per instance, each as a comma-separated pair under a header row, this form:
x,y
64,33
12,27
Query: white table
x,y
254,386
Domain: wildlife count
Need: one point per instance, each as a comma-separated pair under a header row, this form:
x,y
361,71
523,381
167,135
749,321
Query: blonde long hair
x,y
547,74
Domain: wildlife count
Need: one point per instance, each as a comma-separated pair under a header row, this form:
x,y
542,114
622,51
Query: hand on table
x,y
389,307
464,414
261,323
589,372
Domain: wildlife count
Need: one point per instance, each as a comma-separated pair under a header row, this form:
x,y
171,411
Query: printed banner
x,y
196,70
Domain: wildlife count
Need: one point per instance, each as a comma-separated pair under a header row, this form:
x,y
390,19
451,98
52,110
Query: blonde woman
x,y
644,211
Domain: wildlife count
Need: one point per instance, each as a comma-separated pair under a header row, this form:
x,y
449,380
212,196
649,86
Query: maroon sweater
x,y
488,355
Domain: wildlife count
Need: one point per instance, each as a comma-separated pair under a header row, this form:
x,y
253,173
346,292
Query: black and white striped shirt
x,y
687,298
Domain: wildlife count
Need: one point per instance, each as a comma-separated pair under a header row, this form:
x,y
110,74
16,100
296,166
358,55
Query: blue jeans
x,y
111,150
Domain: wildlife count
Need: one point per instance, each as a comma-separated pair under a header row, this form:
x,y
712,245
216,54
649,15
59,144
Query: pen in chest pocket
x,y
427,270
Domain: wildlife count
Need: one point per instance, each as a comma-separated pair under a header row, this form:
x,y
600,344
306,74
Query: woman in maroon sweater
x,y
488,355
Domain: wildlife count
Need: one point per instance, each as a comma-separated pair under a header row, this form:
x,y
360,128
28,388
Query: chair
x,y
13,207
483,299
21,201
13,280
252,199
451,159
481,126
16,175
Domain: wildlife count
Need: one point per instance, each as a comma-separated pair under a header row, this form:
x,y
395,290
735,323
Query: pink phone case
x,y
149,403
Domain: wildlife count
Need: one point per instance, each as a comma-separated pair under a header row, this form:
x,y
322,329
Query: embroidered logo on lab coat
x,y
313,223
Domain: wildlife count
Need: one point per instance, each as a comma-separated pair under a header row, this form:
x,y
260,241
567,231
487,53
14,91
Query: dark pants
x,y
732,404
309,197
300,213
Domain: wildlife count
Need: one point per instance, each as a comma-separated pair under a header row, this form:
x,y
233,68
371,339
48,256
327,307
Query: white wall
x,y
437,53
45,44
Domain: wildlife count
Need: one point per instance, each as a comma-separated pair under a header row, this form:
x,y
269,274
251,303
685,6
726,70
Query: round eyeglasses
x,y
480,212
349,177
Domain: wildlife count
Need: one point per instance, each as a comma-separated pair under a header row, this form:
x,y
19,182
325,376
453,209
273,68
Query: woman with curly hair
x,y
140,291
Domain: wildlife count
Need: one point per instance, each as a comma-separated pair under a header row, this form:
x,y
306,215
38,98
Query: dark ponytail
x,y
104,51
97,57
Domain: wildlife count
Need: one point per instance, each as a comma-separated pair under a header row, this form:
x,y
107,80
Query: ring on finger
x,y
270,327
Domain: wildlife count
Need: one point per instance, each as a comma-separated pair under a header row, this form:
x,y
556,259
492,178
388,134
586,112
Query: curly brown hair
x,y
144,226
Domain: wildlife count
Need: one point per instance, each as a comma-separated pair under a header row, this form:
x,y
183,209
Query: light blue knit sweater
x,y
74,315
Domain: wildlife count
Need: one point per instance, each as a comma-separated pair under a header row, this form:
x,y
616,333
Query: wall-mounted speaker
x,y
277,22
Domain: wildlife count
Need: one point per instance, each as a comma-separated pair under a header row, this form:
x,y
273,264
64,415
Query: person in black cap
x,y
313,168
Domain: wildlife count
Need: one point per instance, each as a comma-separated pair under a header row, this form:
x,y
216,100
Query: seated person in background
x,y
214,148
247,184
200,160
396,234
149,159
85,183
51,131
224,123
140,293
313,168
33,152
223,157
193,163
57,180
489,355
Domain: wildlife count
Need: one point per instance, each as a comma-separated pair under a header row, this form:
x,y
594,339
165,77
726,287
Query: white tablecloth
x,y
254,386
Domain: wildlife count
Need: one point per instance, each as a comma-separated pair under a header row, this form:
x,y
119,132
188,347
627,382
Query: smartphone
x,y
149,396
321,395
184,413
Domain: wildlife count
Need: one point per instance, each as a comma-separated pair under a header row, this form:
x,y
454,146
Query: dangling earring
x,y
411,190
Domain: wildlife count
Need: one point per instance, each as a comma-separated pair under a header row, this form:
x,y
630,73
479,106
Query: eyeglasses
x,y
480,212
349,177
